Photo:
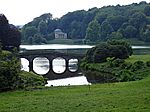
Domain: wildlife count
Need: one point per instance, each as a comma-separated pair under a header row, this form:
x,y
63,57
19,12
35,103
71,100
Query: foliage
x,y
128,22
10,37
113,48
148,63
105,30
92,32
138,65
12,78
29,79
146,10
124,43
116,70
9,70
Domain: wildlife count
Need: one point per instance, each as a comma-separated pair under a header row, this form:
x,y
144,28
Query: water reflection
x,y
73,65
24,64
80,80
59,65
41,65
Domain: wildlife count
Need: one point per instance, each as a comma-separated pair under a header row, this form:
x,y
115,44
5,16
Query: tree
x,y
50,36
138,19
37,38
92,32
112,49
30,40
146,35
105,30
122,43
130,32
101,17
29,31
10,36
116,21
42,28
115,35
98,53
147,10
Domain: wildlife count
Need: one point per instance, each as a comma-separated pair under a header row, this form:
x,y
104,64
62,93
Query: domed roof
x,y
58,30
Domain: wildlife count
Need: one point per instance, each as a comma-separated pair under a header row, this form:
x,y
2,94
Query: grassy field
x,y
110,97
143,58
114,97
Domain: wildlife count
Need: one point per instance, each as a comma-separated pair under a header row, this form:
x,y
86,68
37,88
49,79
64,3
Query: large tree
x,y
147,10
113,49
42,28
93,31
10,36
105,30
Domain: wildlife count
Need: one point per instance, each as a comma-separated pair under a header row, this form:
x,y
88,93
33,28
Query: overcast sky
x,y
20,12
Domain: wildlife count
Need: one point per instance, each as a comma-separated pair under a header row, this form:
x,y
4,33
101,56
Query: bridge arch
x,y
73,65
41,65
69,58
59,65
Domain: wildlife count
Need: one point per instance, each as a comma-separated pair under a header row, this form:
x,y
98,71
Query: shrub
x,y
138,65
117,62
148,63
125,75
100,53
9,70
126,65
29,79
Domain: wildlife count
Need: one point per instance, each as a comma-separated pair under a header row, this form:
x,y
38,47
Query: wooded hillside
x,y
96,24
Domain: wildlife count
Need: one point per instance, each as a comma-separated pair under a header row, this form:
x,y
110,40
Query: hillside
x,y
97,24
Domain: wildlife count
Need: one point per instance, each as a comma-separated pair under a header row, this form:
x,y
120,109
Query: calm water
x,y
60,46
41,65
54,46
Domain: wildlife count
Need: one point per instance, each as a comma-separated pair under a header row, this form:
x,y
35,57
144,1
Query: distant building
x,y
59,34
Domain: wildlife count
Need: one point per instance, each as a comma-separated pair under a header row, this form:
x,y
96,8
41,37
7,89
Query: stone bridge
x,y
50,56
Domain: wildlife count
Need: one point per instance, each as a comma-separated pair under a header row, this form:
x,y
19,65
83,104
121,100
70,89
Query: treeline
x,y
96,24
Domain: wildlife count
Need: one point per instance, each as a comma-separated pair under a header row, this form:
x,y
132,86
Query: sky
x,y
20,12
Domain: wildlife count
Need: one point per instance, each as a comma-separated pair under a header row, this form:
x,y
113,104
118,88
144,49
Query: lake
x,y
41,64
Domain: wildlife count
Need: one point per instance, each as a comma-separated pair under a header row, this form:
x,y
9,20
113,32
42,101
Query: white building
x,y
59,34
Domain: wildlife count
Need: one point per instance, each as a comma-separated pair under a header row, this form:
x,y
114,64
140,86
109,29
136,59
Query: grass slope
x,y
144,58
114,97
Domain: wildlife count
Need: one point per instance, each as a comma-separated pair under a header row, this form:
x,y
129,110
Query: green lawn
x,y
133,58
61,41
115,97
66,41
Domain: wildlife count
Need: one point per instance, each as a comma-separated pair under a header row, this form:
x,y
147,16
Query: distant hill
x,y
97,24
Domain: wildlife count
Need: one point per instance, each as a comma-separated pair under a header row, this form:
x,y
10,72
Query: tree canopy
x,y
96,24
10,36
110,49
